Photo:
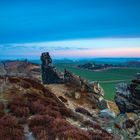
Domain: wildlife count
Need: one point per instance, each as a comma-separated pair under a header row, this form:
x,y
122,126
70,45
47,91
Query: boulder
x,y
77,95
102,104
106,113
64,100
83,111
73,94
127,96
72,79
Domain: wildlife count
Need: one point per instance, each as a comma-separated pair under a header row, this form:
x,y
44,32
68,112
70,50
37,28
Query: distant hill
x,y
19,68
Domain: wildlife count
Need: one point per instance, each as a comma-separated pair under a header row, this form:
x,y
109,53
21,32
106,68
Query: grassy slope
x,y
108,79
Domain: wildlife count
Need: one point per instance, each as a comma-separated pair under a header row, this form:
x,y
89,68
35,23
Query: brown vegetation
x,y
10,129
44,113
47,127
2,113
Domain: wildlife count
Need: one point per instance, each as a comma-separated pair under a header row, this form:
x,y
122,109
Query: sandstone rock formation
x,y
127,99
49,73
72,79
127,96
93,90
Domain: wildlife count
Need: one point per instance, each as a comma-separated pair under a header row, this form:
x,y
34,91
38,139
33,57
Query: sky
x,y
69,28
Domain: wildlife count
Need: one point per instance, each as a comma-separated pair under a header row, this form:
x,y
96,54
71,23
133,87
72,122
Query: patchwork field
x,y
107,78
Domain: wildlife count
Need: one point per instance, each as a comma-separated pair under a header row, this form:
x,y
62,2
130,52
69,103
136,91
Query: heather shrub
x,y
67,131
44,126
51,113
2,113
100,135
19,106
40,126
36,107
10,128
1,106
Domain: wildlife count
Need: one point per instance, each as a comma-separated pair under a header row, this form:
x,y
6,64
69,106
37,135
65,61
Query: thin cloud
x,y
129,47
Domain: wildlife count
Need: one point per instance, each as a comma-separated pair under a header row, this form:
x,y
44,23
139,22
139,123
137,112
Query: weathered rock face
x,y
72,79
127,97
79,83
94,90
106,113
49,73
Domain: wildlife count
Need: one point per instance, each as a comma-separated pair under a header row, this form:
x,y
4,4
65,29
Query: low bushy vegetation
x,y
10,129
44,113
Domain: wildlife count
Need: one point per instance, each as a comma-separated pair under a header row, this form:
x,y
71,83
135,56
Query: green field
x,y
108,78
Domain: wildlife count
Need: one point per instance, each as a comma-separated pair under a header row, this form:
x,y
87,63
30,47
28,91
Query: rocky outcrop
x,y
127,99
93,90
127,96
49,73
72,79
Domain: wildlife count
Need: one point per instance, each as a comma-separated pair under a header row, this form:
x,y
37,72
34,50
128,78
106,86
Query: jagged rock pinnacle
x,y
49,73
